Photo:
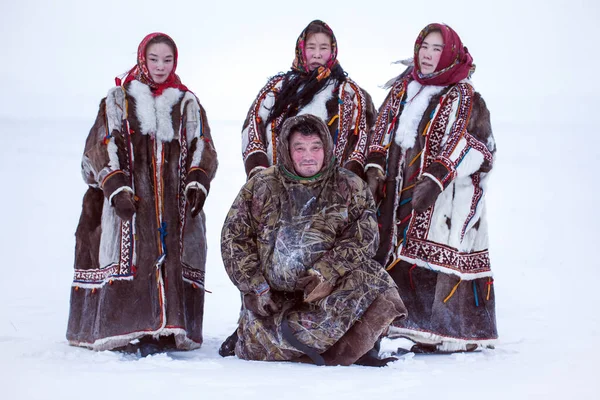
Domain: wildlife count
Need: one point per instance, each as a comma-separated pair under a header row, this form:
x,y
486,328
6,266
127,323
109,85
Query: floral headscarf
x,y
455,62
300,63
140,70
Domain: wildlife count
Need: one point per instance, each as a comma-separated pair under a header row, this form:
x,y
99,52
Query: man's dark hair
x,y
306,128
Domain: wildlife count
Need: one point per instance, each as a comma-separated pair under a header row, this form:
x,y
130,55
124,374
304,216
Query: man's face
x,y
307,154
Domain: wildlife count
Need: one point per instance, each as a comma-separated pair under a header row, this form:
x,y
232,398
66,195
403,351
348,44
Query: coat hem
x,y
113,342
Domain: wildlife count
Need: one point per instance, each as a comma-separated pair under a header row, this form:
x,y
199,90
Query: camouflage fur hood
x,y
284,160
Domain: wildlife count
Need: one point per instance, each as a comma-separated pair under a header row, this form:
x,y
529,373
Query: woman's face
x,y
317,50
160,61
430,52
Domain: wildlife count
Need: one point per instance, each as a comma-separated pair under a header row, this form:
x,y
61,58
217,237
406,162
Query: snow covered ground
x,y
543,218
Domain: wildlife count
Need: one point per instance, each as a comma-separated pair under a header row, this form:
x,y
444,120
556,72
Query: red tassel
x,y
117,81
412,284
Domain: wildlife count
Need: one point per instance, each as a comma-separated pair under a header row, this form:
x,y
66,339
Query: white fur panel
x,y
317,106
417,99
154,113
191,111
115,104
190,108
111,236
470,163
144,107
113,157
164,107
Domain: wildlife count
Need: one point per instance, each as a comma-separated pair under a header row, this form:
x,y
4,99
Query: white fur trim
x,y
144,106
443,343
417,99
164,106
119,190
154,113
196,185
101,284
373,165
433,178
112,342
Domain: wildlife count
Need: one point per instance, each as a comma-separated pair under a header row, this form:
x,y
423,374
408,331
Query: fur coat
x,y
280,226
438,257
145,275
346,108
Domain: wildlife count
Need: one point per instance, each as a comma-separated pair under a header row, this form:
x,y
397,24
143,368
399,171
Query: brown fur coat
x,y
145,275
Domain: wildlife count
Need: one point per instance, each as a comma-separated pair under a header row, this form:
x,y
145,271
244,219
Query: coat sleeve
x,y
383,127
202,157
469,146
104,163
357,242
363,117
254,140
239,247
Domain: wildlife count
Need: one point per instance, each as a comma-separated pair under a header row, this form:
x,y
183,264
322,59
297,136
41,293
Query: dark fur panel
x,y
332,107
87,236
480,125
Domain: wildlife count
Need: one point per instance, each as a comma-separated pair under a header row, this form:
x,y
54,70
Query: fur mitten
x,y
425,194
124,204
314,287
196,199
261,304
375,178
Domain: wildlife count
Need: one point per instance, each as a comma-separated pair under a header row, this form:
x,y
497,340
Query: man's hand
x,y
425,194
375,178
314,287
124,205
262,304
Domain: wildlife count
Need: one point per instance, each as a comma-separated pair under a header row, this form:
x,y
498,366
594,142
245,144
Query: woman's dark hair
x,y
163,39
297,89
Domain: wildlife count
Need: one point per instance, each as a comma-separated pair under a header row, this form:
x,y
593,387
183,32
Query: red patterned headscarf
x,y
140,70
455,62
300,63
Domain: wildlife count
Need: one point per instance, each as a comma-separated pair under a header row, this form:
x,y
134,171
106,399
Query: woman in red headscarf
x,y
316,84
428,166
140,243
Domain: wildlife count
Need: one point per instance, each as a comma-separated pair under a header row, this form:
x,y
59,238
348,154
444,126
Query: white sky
x,y
60,57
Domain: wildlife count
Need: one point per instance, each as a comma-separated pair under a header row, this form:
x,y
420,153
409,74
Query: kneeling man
x,y
298,243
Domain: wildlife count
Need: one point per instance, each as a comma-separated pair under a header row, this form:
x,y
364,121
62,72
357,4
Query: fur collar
x,y
417,99
154,113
